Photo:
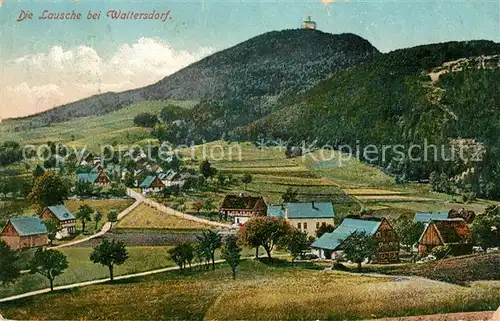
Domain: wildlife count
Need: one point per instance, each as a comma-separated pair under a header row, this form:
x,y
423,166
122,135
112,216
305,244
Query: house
x,y
242,207
24,232
168,178
453,232
306,217
151,184
100,178
66,222
87,158
426,217
467,215
329,245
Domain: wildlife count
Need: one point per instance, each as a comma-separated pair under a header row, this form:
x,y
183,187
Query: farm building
x,y
426,217
306,217
453,232
65,221
242,207
151,184
329,245
99,178
24,232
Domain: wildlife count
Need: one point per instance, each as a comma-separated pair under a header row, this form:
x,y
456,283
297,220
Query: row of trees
x,y
51,263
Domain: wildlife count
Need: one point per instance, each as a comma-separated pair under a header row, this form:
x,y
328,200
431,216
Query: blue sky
x,y
387,24
197,28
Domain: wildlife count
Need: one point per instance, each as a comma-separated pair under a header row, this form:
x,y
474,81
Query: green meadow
x,y
261,291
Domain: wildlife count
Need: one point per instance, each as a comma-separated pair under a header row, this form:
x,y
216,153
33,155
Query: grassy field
x,y
82,269
459,270
271,171
115,127
349,184
260,292
145,217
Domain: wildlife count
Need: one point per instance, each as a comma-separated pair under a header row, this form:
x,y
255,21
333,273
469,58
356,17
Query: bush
x,y
339,266
440,252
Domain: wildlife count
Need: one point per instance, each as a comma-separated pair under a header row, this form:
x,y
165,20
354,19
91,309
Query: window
x,y
380,244
237,221
299,226
305,225
317,225
378,234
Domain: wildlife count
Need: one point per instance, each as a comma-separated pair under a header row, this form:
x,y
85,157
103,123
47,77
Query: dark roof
x,y
61,212
27,226
246,202
453,231
309,210
331,241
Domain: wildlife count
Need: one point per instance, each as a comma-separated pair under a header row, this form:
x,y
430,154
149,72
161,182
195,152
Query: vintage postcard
x,y
250,160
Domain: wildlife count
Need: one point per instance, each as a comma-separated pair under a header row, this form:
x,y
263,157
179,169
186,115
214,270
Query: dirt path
x,y
462,316
105,228
99,281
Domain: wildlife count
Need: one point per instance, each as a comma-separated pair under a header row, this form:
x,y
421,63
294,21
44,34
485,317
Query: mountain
x,y
262,69
445,95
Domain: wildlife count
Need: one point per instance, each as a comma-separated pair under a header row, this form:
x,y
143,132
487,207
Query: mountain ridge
x,y
246,70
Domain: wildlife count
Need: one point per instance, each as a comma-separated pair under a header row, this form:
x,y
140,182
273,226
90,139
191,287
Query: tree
x,y
146,120
49,263
9,268
358,246
209,206
112,216
202,255
297,243
486,231
182,254
39,171
206,169
265,231
324,228
49,189
97,218
210,241
409,232
198,205
84,188
246,179
221,179
52,229
84,214
231,252
109,254
290,196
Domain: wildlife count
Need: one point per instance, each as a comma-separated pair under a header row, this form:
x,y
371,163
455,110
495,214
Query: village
x,y
304,229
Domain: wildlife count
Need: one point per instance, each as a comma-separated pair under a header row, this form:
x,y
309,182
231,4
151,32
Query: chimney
x,y
314,207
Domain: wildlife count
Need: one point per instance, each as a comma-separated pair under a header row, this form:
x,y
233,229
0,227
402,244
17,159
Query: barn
x,y
24,232
453,232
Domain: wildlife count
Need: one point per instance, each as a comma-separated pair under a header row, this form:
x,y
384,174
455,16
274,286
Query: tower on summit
x,y
309,24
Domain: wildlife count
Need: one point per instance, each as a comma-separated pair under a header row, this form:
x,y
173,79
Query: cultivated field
x,y
260,292
145,217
